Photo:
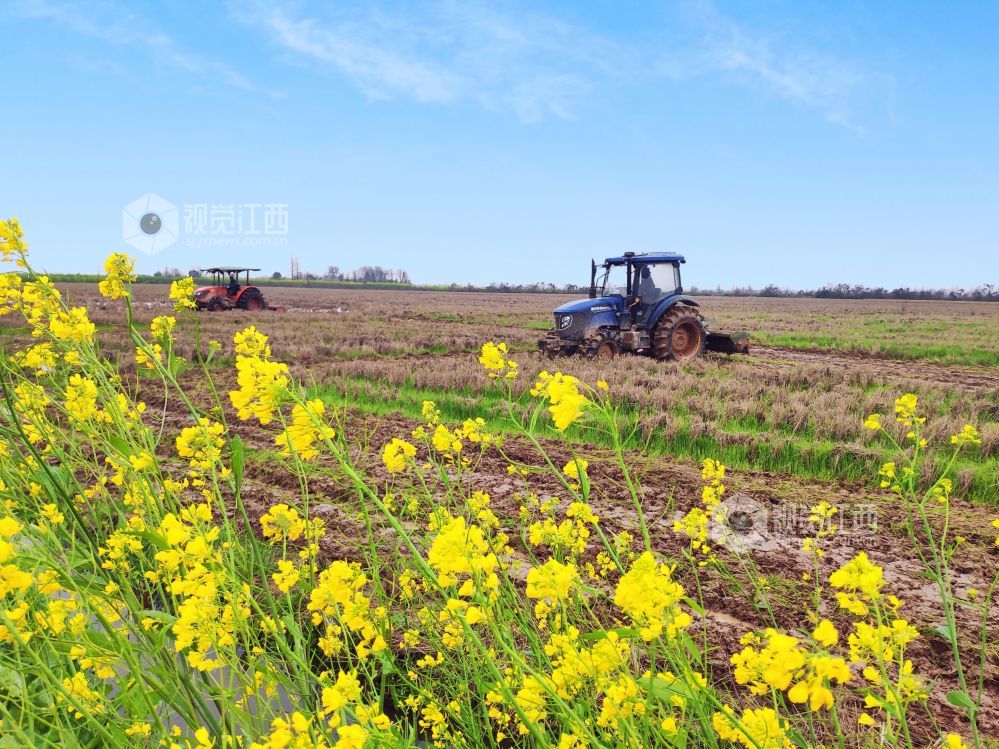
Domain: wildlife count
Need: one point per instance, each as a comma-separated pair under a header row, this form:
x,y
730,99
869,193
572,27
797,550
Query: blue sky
x,y
797,143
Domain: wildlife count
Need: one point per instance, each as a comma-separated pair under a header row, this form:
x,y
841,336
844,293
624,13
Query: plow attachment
x,y
728,343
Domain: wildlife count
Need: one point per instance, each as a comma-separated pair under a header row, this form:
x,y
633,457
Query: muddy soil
x,y
773,510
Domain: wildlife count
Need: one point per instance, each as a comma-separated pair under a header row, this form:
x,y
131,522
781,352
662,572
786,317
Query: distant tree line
x,y
376,274
983,293
541,287
364,274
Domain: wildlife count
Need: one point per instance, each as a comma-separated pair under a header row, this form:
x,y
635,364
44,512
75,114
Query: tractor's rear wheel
x,y
251,300
680,334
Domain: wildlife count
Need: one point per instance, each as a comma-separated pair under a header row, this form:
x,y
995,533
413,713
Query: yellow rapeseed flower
x,y
493,358
202,444
460,553
287,576
162,326
81,398
119,268
566,402
648,594
574,468
906,410
72,326
756,729
967,436
396,455
861,581
12,245
826,633
182,293
305,432
345,691
552,581
10,527
147,357
282,523
262,385
251,342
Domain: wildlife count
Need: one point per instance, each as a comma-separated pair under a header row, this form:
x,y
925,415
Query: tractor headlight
x,y
564,322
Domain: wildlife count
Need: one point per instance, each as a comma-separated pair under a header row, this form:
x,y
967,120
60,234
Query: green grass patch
x,y
862,342
745,445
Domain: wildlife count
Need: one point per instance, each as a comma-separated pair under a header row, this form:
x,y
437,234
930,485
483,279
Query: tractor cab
x,y
637,282
226,292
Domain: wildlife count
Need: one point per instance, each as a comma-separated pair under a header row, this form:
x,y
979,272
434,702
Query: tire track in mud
x,y
944,375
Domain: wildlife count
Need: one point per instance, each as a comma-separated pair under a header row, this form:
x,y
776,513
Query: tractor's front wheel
x,y
603,346
680,334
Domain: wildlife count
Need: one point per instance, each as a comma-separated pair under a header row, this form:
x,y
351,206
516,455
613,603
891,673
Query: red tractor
x,y
232,295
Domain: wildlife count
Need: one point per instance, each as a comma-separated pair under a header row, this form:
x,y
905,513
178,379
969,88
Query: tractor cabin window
x,y
615,281
653,282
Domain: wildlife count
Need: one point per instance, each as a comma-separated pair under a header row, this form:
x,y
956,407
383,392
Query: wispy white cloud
x,y
534,64
118,25
378,71
529,63
784,66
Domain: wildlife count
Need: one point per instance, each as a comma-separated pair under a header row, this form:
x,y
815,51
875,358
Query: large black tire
x,y
252,300
679,335
215,304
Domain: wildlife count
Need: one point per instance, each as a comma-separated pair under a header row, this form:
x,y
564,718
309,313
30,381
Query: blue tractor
x,y
637,304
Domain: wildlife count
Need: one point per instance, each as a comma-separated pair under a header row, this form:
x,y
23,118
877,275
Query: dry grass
x,y
780,400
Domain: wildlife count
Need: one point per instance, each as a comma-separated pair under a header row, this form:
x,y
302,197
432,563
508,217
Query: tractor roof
x,y
646,257
227,270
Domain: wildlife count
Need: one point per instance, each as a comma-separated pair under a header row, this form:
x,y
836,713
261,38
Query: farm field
x,y
791,408
787,422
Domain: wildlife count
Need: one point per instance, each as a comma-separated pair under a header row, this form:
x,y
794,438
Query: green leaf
x,y
601,634
238,451
11,682
388,664
944,631
694,605
960,699
797,738
160,616
661,689
120,445
153,539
